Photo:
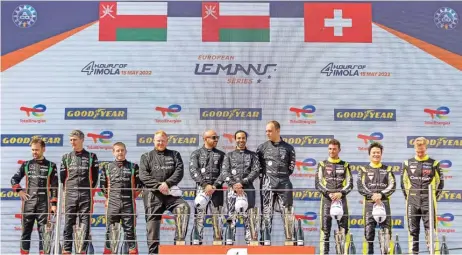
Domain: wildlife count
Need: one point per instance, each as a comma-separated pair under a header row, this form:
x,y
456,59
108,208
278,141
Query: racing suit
x,y
79,175
375,178
205,168
277,161
157,167
42,187
332,176
416,176
119,183
242,166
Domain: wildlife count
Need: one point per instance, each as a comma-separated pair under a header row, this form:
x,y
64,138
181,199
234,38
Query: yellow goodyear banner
x,y
357,221
308,140
147,140
23,140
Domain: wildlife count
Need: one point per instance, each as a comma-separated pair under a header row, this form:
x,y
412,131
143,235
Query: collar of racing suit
x,y
120,163
160,152
277,143
207,149
334,161
239,150
426,157
379,165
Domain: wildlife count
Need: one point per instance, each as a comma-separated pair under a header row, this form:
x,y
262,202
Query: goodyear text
x,y
231,113
308,140
439,142
173,140
25,139
365,114
96,114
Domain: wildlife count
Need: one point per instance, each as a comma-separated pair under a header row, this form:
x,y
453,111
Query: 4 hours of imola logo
x,y
103,138
36,112
305,168
303,115
235,73
369,139
94,68
333,69
439,116
170,114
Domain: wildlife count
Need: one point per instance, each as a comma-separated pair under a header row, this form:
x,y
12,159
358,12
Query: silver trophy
x,y
115,232
254,223
79,236
48,235
289,220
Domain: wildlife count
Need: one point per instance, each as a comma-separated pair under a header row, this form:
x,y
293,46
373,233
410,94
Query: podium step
x,y
235,250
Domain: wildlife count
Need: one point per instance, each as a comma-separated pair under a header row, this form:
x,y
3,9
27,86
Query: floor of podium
x,y
235,250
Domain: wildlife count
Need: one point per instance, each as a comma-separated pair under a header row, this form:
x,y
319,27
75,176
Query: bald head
x,y
210,139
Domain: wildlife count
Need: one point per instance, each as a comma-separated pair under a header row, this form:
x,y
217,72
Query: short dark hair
x,y
275,123
334,142
240,131
38,140
119,144
375,145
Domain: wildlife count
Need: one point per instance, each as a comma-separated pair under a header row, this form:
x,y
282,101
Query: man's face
x,y
241,140
334,150
211,139
76,143
37,151
272,133
119,152
375,155
160,142
420,150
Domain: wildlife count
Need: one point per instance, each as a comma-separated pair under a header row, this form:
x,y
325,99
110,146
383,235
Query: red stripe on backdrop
x,y
245,22
210,22
107,14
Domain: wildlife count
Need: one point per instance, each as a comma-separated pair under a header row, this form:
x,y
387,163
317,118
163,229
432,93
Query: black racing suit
x,y
241,166
205,169
416,176
119,181
375,179
79,175
277,161
157,167
42,187
332,176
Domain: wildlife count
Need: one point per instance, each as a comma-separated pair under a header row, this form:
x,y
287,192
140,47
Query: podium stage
x,y
235,250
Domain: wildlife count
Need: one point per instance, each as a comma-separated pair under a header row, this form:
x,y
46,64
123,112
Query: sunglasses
x,y
215,137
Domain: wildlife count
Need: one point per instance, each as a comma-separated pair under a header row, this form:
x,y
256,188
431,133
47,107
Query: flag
x,y
133,21
338,22
235,22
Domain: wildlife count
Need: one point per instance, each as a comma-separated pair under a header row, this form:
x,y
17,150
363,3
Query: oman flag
x,y
235,22
133,21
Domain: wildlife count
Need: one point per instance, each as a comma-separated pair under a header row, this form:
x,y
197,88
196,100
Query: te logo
x,y
306,165
376,136
439,113
306,112
307,218
103,137
37,110
446,219
172,110
229,137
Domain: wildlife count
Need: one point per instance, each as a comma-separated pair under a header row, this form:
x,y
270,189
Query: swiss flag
x,y
338,22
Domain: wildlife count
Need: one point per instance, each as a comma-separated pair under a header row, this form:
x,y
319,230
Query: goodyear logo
x,y
307,195
365,114
25,139
308,140
95,114
230,113
395,166
173,140
450,196
9,194
357,221
438,142
98,220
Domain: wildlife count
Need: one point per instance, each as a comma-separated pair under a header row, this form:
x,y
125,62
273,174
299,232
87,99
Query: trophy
x,y
289,220
254,222
114,233
79,236
181,222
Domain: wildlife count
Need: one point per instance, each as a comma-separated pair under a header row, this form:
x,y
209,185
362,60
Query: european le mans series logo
x,y
170,114
173,140
369,139
231,113
35,114
308,140
303,115
305,168
95,113
23,140
439,116
438,142
103,137
364,114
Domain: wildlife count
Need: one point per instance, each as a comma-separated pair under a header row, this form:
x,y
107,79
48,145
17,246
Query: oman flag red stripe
x,y
141,21
244,22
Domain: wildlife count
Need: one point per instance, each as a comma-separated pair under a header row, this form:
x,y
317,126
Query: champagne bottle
x,y
300,234
397,246
352,248
444,247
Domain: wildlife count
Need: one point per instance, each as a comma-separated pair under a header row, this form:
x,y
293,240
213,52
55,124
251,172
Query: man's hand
x,y
23,195
335,196
376,197
208,190
238,189
53,209
163,188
